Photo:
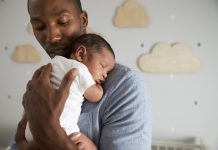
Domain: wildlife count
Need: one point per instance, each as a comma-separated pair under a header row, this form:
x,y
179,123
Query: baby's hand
x,y
82,142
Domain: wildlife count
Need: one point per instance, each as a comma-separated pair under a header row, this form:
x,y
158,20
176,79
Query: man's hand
x,y
43,106
20,133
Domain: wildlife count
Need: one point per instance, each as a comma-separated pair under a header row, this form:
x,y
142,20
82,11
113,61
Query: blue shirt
x,y
122,119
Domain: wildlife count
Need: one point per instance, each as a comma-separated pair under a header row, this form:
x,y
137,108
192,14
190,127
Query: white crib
x,y
172,145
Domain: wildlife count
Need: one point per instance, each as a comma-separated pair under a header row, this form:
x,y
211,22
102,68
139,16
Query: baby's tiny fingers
x,y
81,146
75,137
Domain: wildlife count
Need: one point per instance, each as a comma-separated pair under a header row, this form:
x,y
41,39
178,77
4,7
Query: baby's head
x,y
96,53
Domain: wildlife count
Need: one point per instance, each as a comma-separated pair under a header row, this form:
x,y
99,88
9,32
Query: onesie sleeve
x,y
85,79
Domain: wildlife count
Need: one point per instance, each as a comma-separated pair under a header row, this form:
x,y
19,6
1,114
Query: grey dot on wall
x,y
142,45
6,48
196,103
199,44
9,96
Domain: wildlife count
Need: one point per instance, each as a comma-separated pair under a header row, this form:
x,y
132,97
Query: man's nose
x,y
53,34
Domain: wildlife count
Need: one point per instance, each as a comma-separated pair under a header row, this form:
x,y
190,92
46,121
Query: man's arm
x,y
127,116
43,106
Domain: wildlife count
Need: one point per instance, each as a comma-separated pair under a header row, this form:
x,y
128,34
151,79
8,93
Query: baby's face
x,y
100,64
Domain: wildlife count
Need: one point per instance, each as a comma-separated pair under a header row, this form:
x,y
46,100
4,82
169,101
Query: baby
x,y
94,58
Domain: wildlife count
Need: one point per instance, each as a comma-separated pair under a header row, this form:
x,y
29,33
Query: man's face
x,y
56,23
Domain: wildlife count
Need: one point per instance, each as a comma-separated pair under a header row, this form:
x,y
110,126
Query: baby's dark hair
x,y
92,42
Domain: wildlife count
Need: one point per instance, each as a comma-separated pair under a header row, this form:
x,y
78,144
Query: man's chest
x,y
89,121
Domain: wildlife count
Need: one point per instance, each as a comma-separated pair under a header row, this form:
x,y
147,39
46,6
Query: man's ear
x,y
84,21
80,53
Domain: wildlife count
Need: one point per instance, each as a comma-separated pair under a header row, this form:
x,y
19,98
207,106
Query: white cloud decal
x,y
131,14
166,58
26,54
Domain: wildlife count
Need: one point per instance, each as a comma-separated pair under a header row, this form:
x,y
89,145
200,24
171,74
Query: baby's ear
x,y
80,53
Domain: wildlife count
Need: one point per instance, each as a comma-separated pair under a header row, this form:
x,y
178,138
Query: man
x,y
120,121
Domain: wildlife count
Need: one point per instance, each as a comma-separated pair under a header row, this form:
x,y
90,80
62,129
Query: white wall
x,y
175,112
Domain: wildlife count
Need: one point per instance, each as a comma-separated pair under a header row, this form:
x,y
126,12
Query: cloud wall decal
x,y
26,54
131,14
169,58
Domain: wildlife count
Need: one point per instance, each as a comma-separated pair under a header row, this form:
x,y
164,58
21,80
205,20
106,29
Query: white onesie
x,y
72,108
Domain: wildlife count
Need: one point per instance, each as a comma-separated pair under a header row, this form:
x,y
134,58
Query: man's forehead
x,y
50,7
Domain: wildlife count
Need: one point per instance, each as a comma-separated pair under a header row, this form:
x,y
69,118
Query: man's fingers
x,y
68,79
37,73
46,71
23,122
24,101
20,134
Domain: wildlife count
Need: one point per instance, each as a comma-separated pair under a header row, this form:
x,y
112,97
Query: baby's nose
x,y
105,75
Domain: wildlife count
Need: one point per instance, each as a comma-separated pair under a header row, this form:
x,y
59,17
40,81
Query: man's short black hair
x,y
76,2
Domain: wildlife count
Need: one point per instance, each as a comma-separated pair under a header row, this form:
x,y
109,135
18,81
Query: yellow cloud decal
x,y
26,54
166,58
131,14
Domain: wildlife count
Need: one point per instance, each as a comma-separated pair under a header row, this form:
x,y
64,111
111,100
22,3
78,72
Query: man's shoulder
x,y
121,68
122,73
